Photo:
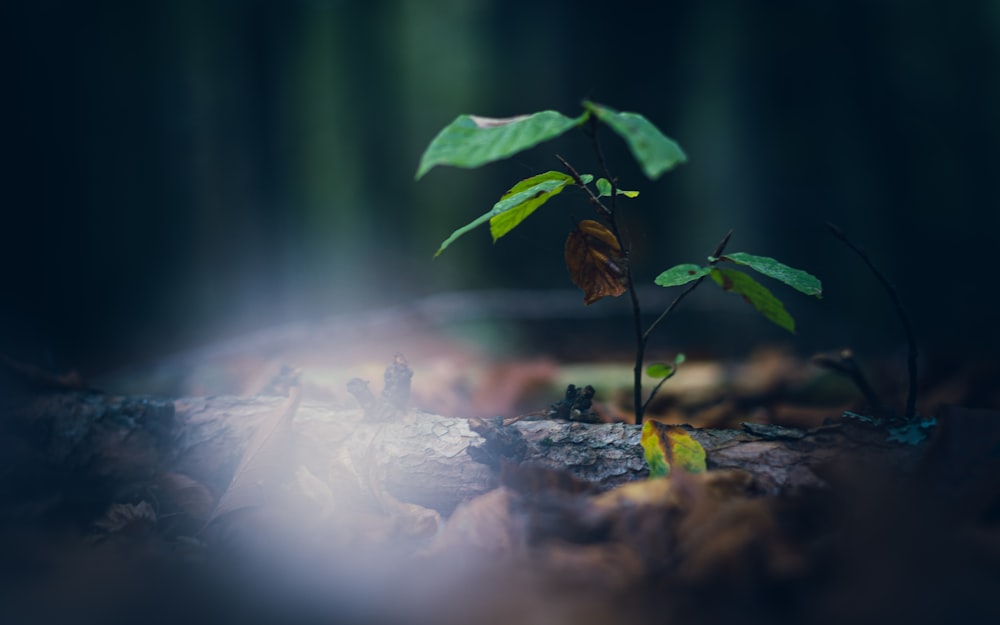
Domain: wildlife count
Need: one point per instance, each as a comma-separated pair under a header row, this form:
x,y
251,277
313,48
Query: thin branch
x,y
592,133
640,338
644,338
677,300
719,249
845,364
609,216
640,353
911,361
653,392
602,210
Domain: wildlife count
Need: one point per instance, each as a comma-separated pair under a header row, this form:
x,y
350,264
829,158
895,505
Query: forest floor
x,y
875,539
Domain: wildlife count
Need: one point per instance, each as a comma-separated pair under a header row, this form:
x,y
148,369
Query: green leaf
x,y
516,205
663,370
659,370
796,278
654,151
665,446
756,294
525,197
681,274
471,141
604,189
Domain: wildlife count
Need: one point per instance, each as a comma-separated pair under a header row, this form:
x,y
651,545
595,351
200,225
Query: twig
x,y
845,364
653,392
609,215
640,336
719,249
911,361
602,210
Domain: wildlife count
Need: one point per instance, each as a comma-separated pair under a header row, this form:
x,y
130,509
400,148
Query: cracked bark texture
x,y
424,459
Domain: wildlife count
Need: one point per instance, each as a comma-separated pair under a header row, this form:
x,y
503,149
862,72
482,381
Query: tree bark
x,y
419,458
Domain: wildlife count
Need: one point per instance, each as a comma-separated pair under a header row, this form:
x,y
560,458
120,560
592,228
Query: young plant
x,y
597,251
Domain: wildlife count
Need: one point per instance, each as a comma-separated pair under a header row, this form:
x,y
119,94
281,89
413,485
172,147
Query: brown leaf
x,y
536,480
186,495
315,491
595,261
610,565
484,525
266,462
727,537
125,520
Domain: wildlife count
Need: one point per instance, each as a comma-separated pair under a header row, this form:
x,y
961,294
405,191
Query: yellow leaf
x,y
666,446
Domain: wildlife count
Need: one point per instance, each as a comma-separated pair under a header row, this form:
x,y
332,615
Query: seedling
x,y
910,412
597,251
912,430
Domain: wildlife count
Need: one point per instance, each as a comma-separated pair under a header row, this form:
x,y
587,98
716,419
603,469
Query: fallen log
x,y
79,439
128,467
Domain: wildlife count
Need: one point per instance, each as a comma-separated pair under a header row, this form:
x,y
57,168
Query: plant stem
x,y
653,392
609,215
719,249
640,337
640,354
644,337
602,210
911,360
845,364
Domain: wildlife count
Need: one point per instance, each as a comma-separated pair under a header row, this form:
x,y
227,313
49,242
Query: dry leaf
x,y
595,261
726,537
535,480
483,525
187,495
669,447
409,520
266,462
315,490
126,519
610,565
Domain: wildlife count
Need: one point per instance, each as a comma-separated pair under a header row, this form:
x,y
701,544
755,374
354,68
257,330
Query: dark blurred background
x,y
183,170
